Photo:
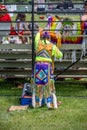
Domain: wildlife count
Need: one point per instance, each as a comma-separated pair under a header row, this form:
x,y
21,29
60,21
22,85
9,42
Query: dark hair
x,y
21,16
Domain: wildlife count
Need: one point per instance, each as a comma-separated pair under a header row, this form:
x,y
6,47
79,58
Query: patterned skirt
x,y
43,73
43,83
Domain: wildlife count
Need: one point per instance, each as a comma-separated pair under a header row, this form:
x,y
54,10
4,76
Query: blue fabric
x,y
49,100
43,101
41,75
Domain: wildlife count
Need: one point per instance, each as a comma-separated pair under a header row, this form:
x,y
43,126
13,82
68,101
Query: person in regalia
x,y
43,80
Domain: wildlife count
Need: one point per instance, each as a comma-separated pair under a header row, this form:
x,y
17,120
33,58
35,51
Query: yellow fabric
x,y
47,47
54,24
43,59
37,38
59,40
55,51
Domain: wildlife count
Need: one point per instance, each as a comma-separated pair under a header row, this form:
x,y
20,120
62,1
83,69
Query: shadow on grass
x,y
9,88
72,90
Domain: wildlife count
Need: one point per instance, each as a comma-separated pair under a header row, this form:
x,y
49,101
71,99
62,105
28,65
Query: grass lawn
x,y
71,114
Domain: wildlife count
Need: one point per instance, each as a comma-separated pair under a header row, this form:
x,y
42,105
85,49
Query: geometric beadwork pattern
x,y
43,53
41,74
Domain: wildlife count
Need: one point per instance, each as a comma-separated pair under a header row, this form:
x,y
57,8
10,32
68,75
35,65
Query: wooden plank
x,y
18,108
15,46
66,63
19,55
16,72
18,64
72,76
29,46
72,47
72,72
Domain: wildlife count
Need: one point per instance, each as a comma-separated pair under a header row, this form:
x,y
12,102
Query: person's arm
x,y
37,38
37,26
18,26
56,52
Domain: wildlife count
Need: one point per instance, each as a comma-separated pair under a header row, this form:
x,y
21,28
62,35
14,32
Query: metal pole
x,y
33,49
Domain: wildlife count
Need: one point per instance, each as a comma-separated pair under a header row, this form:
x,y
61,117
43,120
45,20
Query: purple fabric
x,y
49,20
85,25
42,72
45,35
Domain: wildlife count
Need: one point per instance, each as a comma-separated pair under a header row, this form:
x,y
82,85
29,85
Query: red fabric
x,y
2,7
41,17
5,18
21,32
13,32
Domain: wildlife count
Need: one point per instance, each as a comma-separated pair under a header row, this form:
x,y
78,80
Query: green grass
x,y
71,114
8,88
28,18
72,90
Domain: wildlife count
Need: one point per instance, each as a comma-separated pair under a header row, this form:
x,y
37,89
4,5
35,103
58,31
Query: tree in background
x,y
14,1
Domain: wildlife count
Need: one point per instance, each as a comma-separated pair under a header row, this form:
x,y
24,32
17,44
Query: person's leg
x,y
33,96
52,99
38,86
39,96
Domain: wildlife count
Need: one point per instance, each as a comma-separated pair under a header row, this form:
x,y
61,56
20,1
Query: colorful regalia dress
x,y
43,82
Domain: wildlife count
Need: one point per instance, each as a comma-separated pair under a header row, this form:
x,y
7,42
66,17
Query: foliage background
x,y
21,1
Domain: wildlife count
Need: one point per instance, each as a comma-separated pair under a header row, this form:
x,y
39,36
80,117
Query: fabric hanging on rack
x,y
65,55
83,47
73,56
71,33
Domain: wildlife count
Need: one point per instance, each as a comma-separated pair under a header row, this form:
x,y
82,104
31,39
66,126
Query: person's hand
x,y
84,18
40,29
20,35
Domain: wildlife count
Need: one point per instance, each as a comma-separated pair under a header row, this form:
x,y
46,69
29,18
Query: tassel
x,y
65,55
47,103
40,102
59,40
33,100
53,63
73,56
54,100
83,48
